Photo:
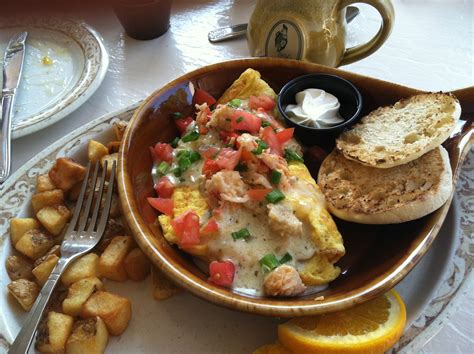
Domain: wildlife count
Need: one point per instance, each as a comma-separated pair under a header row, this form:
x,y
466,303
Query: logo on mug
x,y
285,40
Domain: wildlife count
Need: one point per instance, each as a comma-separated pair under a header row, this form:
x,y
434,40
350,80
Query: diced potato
x,y
110,161
18,227
96,150
25,292
119,129
47,198
137,265
44,269
113,309
54,218
56,250
114,227
18,267
78,294
84,267
163,288
44,183
113,146
112,260
73,193
53,333
88,336
34,244
66,173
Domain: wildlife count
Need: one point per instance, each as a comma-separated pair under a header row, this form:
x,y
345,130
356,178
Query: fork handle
x,y
5,134
27,332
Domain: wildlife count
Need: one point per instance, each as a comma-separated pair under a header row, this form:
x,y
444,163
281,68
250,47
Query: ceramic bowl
x,y
377,257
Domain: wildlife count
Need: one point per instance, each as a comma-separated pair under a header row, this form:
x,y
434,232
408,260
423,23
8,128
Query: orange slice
x,y
372,327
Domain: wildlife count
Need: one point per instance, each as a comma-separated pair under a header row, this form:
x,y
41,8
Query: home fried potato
x,y
112,260
54,218
84,267
53,332
18,227
48,198
110,161
115,310
163,288
137,265
24,291
88,336
66,173
44,183
78,294
56,250
19,267
95,150
34,243
114,227
44,269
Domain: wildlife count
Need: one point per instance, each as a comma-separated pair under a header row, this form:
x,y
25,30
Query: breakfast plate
x,y
65,62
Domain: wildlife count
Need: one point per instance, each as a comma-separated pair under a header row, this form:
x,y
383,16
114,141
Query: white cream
x,y
315,108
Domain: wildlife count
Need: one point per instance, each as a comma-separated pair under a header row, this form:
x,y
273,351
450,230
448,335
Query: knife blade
x,y
12,67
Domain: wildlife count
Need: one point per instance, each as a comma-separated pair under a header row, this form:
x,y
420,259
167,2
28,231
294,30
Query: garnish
x,y
163,168
265,124
261,145
286,258
242,233
291,155
192,136
235,103
275,177
240,119
275,196
174,142
269,262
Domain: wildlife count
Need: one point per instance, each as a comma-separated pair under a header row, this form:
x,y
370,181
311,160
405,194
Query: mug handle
x,y
360,51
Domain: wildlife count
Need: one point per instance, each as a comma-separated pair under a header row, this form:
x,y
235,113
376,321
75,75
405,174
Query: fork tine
x,y
98,201
79,202
108,201
90,197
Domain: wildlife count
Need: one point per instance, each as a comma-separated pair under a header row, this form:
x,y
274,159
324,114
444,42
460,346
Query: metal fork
x,y
83,233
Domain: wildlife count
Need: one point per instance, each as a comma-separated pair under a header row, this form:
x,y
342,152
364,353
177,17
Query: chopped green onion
x,y
177,115
194,156
241,167
235,103
274,196
163,167
290,155
184,162
269,262
240,119
275,177
177,171
242,233
194,135
261,145
286,258
265,124
174,142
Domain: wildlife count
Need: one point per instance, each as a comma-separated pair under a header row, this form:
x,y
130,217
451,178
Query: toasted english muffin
x,y
394,135
369,195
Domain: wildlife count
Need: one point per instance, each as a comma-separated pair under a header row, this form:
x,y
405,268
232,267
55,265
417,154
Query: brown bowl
x,y
377,257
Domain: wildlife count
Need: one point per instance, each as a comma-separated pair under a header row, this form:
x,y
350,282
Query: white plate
x,y
186,324
77,60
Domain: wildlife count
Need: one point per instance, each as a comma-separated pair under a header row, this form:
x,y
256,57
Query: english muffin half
x,y
369,195
394,135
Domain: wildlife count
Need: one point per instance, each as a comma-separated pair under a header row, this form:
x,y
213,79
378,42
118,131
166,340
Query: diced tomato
x,y
163,205
186,228
209,152
182,124
153,154
203,130
228,158
246,155
201,96
262,101
258,194
210,228
246,121
226,136
164,187
269,136
164,152
222,273
210,167
284,135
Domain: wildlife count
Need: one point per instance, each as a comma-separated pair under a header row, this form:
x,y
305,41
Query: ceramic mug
x,y
312,30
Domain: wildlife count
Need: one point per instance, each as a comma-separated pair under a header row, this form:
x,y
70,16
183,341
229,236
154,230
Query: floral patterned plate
x,y
185,324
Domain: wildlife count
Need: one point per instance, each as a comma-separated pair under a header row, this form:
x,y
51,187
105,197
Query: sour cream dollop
x,y
315,108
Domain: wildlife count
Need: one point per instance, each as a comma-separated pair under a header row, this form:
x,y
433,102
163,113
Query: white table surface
x,y
431,48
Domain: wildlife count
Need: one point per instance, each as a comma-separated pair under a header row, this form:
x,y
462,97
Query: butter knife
x,y
235,31
12,65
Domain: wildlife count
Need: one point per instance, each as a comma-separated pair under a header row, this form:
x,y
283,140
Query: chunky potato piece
x,y
34,244
84,267
96,150
66,173
44,183
110,161
54,218
25,292
112,260
44,269
163,288
47,198
56,250
18,267
88,336
53,332
119,129
18,227
137,265
78,294
113,309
